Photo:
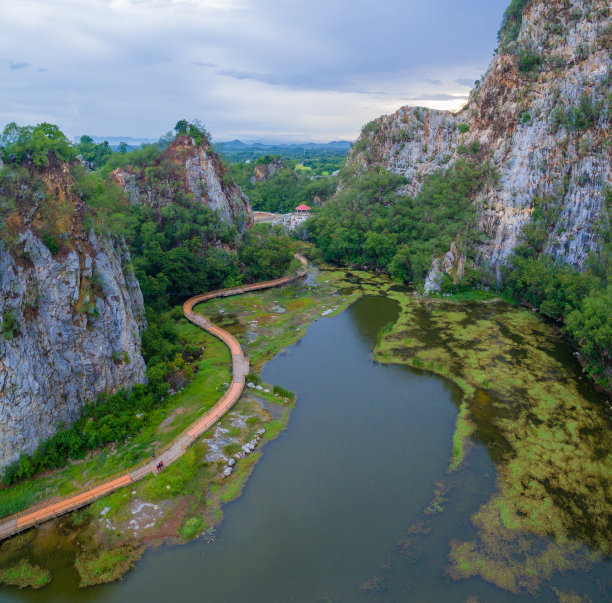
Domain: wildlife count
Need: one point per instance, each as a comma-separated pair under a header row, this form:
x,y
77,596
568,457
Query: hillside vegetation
x,y
511,194
178,250
279,185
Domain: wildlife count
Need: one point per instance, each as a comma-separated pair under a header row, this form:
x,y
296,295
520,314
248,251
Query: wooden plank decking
x,y
240,368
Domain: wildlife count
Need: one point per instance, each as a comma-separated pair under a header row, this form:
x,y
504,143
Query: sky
x,y
269,70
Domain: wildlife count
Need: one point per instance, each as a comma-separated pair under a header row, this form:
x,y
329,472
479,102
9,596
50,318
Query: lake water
x,y
321,517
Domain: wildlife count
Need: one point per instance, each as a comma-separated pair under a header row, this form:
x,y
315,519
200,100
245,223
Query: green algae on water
x,y
107,565
547,433
25,575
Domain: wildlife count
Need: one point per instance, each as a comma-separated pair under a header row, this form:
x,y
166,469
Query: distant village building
x,y
302,209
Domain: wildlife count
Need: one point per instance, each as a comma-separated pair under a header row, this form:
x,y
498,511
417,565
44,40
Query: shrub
x,y
50,243
253,378
24,574
10,327
281,391
35,143
463,128
373,127
191,528
579,117
511,23
529,60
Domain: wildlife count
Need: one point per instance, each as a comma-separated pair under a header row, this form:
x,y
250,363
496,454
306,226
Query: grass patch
x,y
283,392
275,427
233,488
25,575
107,565
464,428
174,479
192,527
198,396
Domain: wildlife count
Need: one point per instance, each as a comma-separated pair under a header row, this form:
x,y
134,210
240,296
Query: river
x,y
325,513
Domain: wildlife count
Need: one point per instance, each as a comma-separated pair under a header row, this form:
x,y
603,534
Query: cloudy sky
x,y
249,69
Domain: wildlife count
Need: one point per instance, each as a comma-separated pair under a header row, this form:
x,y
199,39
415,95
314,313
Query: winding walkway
x,y
57,506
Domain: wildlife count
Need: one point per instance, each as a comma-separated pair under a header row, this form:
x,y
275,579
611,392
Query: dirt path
x,y
240,367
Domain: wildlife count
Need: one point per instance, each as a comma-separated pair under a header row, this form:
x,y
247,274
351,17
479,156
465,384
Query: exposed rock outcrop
x,y
188,170
541,114
71,311
264,171
292,221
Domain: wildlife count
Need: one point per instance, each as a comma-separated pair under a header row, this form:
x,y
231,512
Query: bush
x,y
511,23
25,575
529,60
10,326
282,392
253,378
50,243
35,143
580,117
191,528
372,127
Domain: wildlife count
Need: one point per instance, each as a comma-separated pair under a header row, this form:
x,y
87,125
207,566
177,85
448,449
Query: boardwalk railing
x,y
59,505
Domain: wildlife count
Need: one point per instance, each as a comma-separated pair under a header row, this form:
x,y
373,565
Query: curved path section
x,y
240,367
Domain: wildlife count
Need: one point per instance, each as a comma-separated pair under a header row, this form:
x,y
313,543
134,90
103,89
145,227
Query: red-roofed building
x,y
302,209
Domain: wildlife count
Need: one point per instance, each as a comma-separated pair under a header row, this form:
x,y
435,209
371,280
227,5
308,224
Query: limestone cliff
x,y
188,170
71,309
264,171
541,115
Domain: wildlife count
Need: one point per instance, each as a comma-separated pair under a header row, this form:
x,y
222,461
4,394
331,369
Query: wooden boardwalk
x,y
57,506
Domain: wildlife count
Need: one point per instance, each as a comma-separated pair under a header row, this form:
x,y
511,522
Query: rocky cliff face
x,y
264,171
187,170
541,114
71,310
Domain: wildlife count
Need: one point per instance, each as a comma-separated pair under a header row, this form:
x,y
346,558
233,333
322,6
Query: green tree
x,y
181,126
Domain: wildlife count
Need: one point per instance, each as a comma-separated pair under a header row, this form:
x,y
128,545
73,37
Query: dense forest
x,y
287,183
370,223
313,155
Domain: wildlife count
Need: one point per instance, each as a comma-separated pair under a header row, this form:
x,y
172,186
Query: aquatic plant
x,y
25,575
549,438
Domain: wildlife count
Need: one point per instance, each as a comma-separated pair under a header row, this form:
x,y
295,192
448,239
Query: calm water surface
x,y
325,507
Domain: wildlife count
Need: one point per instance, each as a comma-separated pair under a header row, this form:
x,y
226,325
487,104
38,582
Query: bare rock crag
x,y
186,168
545,127
70,320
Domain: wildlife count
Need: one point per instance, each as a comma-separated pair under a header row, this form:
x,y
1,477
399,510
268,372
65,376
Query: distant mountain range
x,y
235,145
238,145
236,150
115,140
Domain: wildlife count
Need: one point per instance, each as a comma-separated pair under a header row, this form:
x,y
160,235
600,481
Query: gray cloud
x,y
464,81
440,97
13,66
247,68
